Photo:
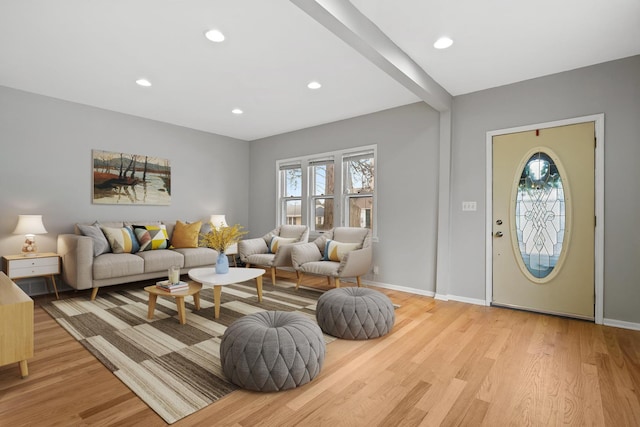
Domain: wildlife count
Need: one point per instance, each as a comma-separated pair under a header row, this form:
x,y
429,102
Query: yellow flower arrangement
x,y
220,238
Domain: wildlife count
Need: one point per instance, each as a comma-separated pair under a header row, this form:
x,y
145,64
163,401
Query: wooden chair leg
x,y
337,282
247,265
273,275
299,279
358,281
94,293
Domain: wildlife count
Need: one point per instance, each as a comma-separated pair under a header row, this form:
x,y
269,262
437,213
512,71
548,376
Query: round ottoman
x,y
272,350
355,313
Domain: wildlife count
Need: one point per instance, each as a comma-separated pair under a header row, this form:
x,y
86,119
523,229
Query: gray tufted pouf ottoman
x,y
272,350
355,313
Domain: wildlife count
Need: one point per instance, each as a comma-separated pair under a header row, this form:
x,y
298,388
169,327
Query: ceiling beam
x,y
344,20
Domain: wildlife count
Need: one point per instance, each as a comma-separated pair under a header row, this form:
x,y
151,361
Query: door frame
x,y
598,119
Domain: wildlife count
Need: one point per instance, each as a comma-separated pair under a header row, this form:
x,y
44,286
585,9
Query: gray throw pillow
x,y
100,242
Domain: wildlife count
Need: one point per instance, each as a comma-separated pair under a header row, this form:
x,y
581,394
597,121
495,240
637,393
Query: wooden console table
x,y
16,325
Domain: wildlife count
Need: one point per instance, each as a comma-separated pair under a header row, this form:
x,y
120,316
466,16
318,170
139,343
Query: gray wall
x,y
407,182
611,88
45,167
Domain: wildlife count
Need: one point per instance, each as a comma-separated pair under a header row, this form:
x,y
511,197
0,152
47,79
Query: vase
x,y
222,264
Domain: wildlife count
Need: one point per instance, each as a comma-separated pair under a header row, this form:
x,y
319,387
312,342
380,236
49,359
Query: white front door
x,y
544,221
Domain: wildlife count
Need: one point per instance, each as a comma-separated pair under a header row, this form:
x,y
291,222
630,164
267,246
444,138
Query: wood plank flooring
x,y
445,363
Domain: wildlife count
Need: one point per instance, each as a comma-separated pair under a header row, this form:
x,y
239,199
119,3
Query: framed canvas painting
x,y
130,179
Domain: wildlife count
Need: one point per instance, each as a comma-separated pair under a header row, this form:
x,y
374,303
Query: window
x,y
291,194
359,173
540,215
329,190
322,188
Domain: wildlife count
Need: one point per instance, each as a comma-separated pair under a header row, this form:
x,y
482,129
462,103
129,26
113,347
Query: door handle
x,y
498,234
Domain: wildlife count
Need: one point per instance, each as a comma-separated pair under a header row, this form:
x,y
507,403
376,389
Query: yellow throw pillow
x,y
276,241
335,251
186,235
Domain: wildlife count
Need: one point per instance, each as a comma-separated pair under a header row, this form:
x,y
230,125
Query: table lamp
x,y
218,221
29,225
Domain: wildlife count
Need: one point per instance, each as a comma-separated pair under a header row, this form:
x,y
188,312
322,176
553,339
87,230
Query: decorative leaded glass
x,y
540,215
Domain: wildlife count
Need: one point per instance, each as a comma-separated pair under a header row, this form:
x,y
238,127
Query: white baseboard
x,y
442,297
473,301
621,324
400,288
466,300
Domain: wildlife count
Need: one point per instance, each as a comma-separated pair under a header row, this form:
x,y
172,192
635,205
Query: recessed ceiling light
x,y
143,82
214,36
443,43
314,85
237,111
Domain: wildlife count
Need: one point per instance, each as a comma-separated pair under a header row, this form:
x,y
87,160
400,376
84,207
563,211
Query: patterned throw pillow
x,y
276,241
152,237
185,235
335,251
121,240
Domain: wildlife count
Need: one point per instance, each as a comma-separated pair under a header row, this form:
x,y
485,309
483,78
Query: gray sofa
x,y
81,269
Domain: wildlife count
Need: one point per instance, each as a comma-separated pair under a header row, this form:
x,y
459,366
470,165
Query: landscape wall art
x,y
130,179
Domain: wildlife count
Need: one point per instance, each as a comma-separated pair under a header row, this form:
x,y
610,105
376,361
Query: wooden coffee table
x,y
209,277
194,289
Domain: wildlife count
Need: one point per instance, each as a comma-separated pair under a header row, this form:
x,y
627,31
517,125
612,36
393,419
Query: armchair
x,y
273,250
350,255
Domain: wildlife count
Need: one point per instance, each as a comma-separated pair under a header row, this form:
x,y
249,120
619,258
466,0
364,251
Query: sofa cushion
x,y
108,266
198,257
121,240
322,268
160,260
335,251
152,237
185,235
277,241
100,242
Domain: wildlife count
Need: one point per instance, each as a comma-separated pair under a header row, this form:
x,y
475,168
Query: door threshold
x,y
552,313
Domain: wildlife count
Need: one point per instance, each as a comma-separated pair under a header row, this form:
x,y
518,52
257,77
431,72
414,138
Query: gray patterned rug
x,y
173,368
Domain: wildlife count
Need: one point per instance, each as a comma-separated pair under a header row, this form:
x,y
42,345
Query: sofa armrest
x,y
77,260
304,252
356,263
250,247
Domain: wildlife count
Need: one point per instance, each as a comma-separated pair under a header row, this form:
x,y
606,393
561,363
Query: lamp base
x,y
29,247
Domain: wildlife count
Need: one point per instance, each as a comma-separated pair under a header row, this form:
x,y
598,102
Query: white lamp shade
x,y
218,221
30,224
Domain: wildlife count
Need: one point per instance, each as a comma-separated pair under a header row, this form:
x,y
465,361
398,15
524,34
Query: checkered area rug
x,y
175,369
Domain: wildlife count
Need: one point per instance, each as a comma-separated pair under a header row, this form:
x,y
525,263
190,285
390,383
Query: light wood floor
x,y
445,363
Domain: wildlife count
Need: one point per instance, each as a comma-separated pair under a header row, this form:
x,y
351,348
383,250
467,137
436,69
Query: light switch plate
x,y
469,206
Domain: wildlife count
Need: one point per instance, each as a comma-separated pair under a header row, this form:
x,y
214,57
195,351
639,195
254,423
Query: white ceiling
x,y
92,51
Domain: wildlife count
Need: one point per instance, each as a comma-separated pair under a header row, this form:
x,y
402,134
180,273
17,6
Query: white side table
x,y
46,264
209,278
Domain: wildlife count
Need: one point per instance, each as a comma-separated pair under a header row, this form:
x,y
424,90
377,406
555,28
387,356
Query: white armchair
x,y
273,250
350,255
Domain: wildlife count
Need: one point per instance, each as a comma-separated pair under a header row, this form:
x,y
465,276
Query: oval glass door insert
x,y
540,215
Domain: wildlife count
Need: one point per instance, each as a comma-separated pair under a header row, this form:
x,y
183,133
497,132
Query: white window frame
x,y
347,196
340,198
282,211
311,220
